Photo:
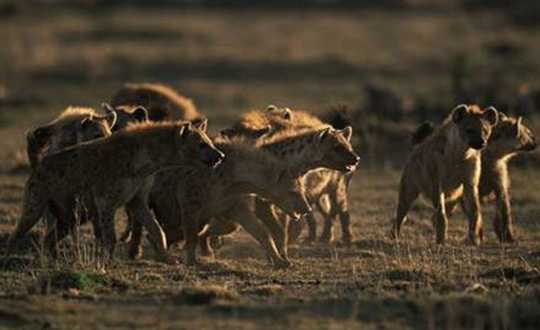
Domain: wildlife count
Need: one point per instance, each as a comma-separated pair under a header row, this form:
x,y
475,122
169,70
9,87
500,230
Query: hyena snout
x,y
476,139
532,144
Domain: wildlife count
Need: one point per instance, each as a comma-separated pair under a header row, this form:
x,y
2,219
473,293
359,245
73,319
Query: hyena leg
x,y
106,217
475,216
342,204
245,217
33,207
125,237
441,218
218,227
61,221
326,205
502,222
296,227
407,195
277,229
135,232
138,207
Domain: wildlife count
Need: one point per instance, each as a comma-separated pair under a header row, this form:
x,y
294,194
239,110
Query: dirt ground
x,y
231,61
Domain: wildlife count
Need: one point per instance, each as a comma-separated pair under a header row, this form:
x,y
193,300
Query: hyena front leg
x,y
245,217
61,221
34,205
278,229
472,203
502,222
441,218
138,208
342,205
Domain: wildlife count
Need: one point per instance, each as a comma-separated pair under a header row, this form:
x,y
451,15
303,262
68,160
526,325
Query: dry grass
x,y
231,61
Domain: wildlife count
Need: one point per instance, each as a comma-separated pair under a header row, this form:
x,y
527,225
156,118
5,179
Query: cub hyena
x,y
302,151
161,101
116,171
508,138
73,126
327,190
446,166
185,200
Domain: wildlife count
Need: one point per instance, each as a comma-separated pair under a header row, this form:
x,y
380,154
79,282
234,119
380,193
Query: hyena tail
x,y
423,131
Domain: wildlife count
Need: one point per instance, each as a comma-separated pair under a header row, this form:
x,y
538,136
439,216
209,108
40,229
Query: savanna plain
x,y
233,60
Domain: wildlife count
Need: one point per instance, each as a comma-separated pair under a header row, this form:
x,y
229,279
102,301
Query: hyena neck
x,y
456,147
494,154
149,160
246,169
299,152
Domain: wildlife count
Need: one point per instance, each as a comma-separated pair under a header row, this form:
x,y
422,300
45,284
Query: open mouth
x,y
350,167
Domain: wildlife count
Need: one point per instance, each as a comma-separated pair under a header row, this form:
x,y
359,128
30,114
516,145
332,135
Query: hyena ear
x,y
110,118
492,115
323,133
107,107
347,133
459,113
184,130
287,115
201,124
140,114
259,133
518,126
271,107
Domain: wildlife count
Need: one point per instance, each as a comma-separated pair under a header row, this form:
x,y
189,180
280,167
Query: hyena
x,y
508,138
446,167
303,151
161,101
185,200
116,171
73,126
324,183
328,193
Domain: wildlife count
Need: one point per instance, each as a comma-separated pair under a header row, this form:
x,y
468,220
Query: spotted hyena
x,y
185,200
117,171
303,151
446,166
161,101
330,184
73,126
508,138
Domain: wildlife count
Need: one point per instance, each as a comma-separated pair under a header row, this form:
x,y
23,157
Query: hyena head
x,y
67,132
274,113
474,124
196,146
510,135
126,115
287,191
335,149
276,118
83,129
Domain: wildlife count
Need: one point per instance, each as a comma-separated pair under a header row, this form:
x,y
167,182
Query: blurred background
x,y
392,63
